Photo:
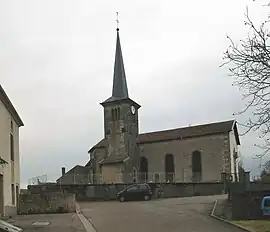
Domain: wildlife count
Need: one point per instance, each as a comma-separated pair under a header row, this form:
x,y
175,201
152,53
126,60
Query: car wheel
x,y
146,198
122,199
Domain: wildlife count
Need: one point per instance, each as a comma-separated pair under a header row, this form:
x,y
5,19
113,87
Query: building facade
x,y
198,153
10,122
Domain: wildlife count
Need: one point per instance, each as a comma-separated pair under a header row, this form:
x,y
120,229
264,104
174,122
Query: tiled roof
x,y
182,133
7,103
186,132
175,134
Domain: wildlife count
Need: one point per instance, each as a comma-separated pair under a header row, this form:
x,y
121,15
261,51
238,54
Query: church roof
x,y
7,103
182,133
189,132
120,89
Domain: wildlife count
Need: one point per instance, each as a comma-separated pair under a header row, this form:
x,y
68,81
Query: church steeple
x,y
120,89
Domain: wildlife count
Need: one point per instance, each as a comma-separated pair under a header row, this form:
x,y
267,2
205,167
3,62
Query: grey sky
x,y
56,64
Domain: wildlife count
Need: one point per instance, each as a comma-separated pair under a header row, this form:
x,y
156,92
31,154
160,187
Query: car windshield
x,y
267,202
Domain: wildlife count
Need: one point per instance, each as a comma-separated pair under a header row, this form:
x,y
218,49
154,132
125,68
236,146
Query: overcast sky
x,y
56,65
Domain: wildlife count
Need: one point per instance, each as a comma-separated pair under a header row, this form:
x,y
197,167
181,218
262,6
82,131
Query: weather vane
x,y
117,21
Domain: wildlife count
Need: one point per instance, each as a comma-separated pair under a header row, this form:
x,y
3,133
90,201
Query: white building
x,y
10,122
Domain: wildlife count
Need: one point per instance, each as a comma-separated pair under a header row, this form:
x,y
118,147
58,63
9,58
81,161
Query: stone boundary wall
x,y
47,202
95,192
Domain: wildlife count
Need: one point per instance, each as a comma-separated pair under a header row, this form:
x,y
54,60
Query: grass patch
x,y
255,225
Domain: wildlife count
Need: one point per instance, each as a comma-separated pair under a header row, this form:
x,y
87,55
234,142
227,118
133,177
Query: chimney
x,y
63,171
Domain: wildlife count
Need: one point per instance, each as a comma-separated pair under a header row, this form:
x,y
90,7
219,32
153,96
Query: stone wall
x,y
247,205
109,191
246,198
47,202
215,157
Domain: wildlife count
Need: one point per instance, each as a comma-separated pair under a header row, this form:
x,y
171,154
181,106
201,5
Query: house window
x,y
11,147
13,193
11,126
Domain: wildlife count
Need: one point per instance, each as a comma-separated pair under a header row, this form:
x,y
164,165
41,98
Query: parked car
x,y
135,192
265,206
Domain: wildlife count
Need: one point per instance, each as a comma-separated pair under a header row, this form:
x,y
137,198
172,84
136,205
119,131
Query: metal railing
x,y
156,177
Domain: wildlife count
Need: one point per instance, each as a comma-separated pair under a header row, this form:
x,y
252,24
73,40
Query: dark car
x,y
135,192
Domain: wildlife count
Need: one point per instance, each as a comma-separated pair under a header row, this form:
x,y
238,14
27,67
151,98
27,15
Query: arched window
x,y
143,169
134,175
112,113
115,114
196,166
169,168
157,177
118,113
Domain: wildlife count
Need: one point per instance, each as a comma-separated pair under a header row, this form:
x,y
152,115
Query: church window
x,y
143,169
123,129
113,115
108,132
169,168
118,113
134,175
196,166
157,177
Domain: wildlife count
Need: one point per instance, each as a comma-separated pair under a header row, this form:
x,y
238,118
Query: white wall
x,y
233,146
6,170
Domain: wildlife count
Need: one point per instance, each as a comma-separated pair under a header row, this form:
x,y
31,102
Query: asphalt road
x,y
164,215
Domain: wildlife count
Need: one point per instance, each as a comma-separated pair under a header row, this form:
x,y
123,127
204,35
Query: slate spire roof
x,y
120,89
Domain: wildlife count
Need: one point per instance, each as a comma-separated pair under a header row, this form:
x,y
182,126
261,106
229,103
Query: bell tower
x,y
121,126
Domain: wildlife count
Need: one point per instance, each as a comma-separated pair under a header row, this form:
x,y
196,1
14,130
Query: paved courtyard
x,y
163,215
48,222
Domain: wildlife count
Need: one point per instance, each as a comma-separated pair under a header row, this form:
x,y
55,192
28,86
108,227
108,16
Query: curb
x,y
226,221
88,226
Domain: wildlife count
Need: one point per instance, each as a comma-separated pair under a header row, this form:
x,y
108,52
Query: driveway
x,y
163,215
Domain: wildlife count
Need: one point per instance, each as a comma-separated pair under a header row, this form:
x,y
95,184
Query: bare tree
x,y
249,64
265,174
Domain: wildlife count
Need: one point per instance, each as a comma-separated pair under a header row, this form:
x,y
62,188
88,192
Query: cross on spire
x,y
117,21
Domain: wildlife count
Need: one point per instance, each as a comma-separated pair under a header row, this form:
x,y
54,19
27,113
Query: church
x,y
191,154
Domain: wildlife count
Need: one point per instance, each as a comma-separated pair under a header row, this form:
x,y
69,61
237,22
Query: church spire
x,y
120,89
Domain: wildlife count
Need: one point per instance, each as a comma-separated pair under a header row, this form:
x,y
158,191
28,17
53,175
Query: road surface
x,y
163,215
